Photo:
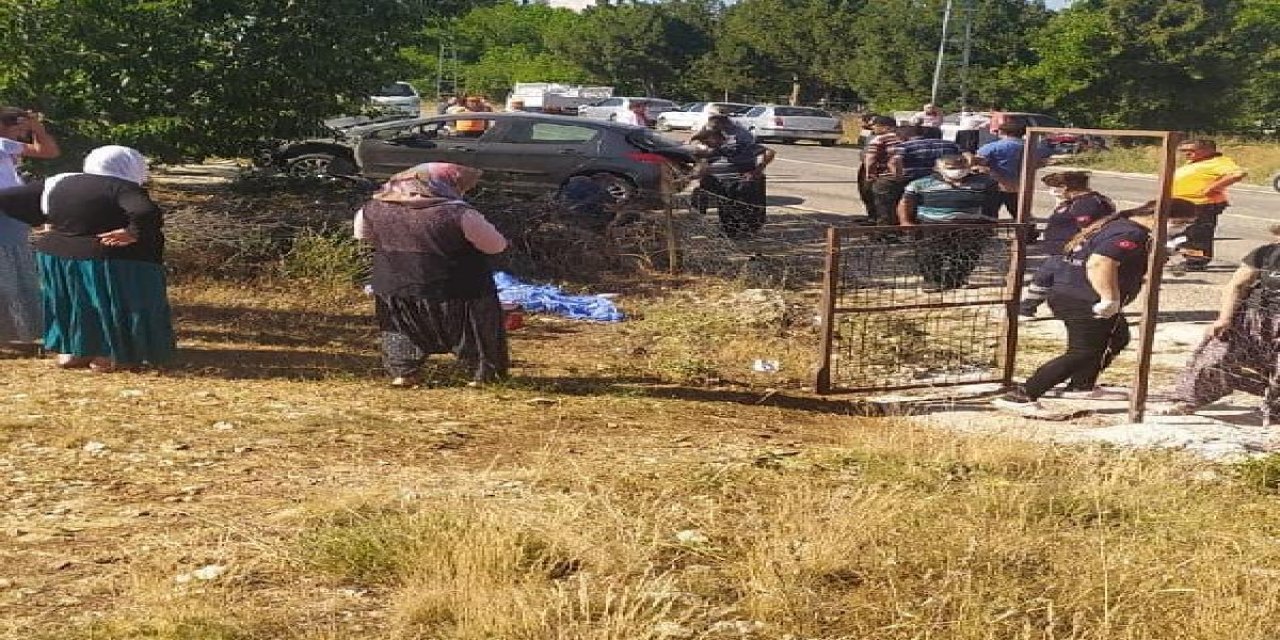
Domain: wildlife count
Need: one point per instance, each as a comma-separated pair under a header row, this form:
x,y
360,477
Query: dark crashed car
x,y
329,152
530,153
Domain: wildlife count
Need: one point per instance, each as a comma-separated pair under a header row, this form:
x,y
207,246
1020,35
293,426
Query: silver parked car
x,y
398,97
611,108
529,152
789,124
694,116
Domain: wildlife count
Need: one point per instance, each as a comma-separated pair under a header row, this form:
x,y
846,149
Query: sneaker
x,y
405,382
1096,393
1175,409
1028,409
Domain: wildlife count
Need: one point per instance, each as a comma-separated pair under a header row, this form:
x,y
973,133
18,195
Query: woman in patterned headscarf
x,y
101,263
432,283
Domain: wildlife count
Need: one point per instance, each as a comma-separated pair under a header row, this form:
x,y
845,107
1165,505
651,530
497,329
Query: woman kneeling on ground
x,y
1103,270
433,287
101,263
1242,350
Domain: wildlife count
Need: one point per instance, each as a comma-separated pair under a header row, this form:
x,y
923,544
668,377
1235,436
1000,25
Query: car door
x,y
531,155
600,110
384,152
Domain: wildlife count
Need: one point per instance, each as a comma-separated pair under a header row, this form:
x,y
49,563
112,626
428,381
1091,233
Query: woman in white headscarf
x,y
101,263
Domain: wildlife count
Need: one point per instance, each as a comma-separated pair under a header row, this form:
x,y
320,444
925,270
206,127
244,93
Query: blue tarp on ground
x,y
545,298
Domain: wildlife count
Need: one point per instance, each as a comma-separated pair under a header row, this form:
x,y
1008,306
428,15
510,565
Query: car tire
x,y
827,143
620,187
318,164
1275,182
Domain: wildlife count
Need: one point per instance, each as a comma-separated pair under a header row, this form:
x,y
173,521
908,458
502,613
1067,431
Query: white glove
x,y
1106,308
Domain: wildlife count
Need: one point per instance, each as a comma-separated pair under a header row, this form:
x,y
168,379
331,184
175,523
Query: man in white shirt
x,y
635,114
929,116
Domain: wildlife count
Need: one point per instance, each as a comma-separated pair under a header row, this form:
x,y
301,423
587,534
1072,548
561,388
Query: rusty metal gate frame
x,y
1150,296
829,311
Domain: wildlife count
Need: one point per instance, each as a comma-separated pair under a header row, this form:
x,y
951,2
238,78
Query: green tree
x,y
188,78
641,48
1158,64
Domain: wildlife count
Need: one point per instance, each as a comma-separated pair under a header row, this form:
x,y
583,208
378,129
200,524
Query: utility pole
x,y
942,52
966,50
447,69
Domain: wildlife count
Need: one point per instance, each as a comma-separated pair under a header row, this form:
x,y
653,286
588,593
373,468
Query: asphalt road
x,y
813,177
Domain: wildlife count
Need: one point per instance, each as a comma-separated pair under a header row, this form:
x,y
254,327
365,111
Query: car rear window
x,y
734,109
800,111
646,139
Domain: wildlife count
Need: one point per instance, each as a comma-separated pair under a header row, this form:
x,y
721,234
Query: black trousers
x,y
1197,251
1009,200
886,193
740,203
864,192
1092,344
945,258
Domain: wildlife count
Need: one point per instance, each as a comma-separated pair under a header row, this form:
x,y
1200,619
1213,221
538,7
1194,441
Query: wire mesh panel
x,y
927,306
782,248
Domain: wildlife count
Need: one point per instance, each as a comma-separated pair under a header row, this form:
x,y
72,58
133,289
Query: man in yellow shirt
x,y
1203,180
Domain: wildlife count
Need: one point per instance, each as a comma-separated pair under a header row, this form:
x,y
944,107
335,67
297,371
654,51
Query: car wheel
x,y
318,164
1275,182
827,143
620,187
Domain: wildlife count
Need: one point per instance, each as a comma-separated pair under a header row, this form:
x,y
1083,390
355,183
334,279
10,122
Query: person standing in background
x,y
1203,181
22,135
1003,159
969,131
886,188
929,116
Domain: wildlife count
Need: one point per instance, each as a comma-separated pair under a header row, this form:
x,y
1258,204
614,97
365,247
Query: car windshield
x,y
395,90
800,111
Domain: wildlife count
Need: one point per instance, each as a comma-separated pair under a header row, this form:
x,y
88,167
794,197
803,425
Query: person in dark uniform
x,y
1103,270
1077,207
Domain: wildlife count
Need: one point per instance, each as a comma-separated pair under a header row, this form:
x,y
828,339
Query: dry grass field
x,y
633,481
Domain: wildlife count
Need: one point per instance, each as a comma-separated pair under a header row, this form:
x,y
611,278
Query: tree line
x,y
198,77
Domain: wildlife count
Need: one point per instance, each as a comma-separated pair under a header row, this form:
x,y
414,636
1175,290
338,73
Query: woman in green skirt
x,y
101,263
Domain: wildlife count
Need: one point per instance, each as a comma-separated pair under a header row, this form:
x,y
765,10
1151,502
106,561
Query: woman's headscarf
x,y
118,162
429,183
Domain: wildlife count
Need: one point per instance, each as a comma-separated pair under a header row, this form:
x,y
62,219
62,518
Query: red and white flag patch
x,y
1127,245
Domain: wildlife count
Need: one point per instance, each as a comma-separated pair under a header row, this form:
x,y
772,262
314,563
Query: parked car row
x,y
519,152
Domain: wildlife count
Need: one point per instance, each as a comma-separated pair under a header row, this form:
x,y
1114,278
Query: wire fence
x,y
934,305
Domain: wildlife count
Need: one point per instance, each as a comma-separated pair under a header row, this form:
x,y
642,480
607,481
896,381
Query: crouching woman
x,y
1103,270
432,283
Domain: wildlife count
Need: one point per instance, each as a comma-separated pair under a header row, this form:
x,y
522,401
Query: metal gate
x,y
929,306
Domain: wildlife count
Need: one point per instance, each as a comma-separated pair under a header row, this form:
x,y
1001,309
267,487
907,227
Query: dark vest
x,y
422,253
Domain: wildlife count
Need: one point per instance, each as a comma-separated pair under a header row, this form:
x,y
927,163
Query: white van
x,y
398,97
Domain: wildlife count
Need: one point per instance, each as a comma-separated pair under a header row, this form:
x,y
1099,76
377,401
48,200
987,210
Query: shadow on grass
x,y
654,388
250,364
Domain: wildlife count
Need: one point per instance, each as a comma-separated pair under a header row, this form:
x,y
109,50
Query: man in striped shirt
x,y
886,188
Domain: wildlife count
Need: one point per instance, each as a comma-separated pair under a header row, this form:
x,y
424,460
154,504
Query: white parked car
x,y
611,108
694,116
789,124
398,97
